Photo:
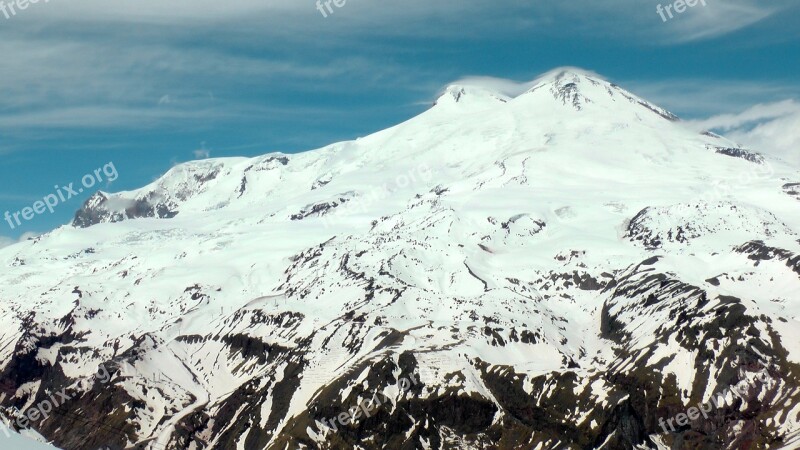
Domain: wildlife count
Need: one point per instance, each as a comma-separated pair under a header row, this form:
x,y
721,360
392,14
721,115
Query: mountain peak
x,y
567,72
469,94
568,86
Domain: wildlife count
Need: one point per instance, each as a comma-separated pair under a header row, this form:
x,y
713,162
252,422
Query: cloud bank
x,y
772,128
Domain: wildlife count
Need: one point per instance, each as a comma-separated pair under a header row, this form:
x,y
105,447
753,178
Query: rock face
x,y
792,189
741,153
554,270
98,209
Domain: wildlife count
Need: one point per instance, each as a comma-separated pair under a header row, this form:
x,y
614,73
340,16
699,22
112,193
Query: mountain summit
x,y
565,86
553,265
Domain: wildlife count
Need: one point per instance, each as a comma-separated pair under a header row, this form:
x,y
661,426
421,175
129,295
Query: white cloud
x,y
719,18
79,83
752,115
762,116
702,98
513,88
503,86
202,153
153,10
6,241
634,19
772,128
621,18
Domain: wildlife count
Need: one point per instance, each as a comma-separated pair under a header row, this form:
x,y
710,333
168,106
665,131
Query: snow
x,y
27,440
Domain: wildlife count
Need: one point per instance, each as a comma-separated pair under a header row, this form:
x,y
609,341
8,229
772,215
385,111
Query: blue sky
x,y
148,83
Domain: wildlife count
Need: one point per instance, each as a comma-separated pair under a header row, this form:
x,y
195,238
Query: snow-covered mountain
x,y
562,269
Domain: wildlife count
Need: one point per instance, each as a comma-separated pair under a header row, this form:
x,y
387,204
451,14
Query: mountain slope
x,y
557,269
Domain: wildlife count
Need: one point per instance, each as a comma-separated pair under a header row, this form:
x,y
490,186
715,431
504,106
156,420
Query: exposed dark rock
x,y
320,209
758,251
792,189
95,210
741,153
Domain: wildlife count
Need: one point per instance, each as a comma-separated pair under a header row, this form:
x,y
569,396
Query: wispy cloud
x,y
698,98
300,19
720,17
626,19
202,152
6,241
764,116
512,88
77,82
772,128
83,64
753,115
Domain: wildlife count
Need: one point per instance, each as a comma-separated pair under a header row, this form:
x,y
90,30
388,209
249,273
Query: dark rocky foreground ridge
x,y
516,411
